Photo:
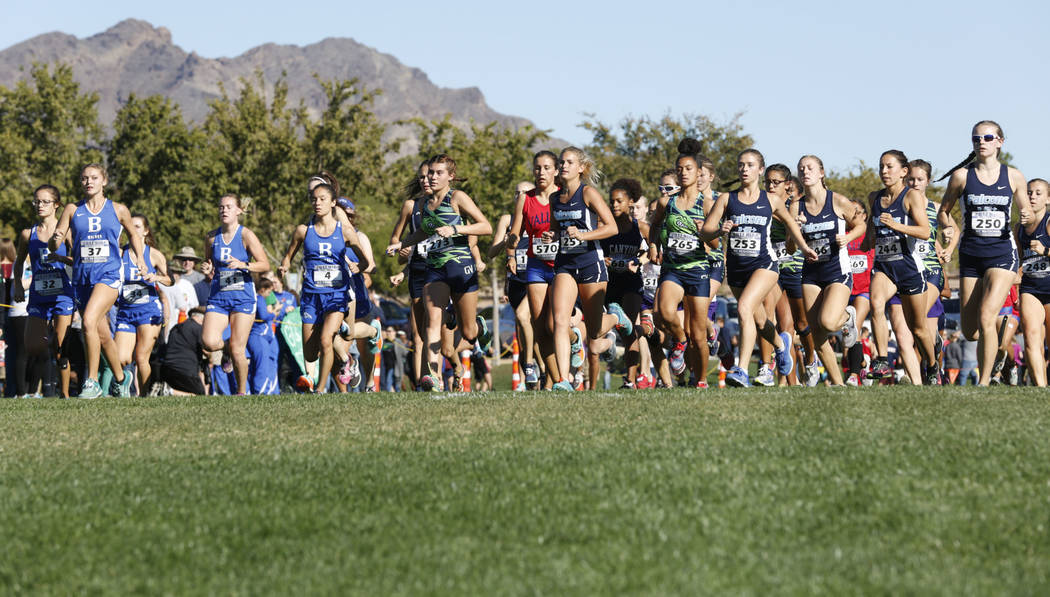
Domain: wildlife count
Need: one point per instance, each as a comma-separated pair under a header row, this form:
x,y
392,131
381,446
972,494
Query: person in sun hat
x,y
186,261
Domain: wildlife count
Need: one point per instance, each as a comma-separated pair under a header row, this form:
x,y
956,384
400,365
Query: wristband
x,y
454,230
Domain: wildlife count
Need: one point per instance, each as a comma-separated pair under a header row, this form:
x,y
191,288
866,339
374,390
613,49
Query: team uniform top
x,y
749,244
417,263
1035,268
95,248
324,261
136,293
928,250
860,262
891,246
572,252
231,283
787,263
536,219
442,250
261,325
622,249
986,215
716,255
680,236
521,259
819,232
49,277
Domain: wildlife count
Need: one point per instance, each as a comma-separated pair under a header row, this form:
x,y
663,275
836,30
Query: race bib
x,y
47,283
822,247
745,244
858,264
94,251
620,264
432,244
925,249
572,245
888,249
781,252
521,259
1036,267
231,280
543,250
135,294
681,243
988,223
327,275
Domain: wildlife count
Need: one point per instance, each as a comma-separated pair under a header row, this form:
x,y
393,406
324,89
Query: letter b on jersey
x,y
94,224
225,253
324,248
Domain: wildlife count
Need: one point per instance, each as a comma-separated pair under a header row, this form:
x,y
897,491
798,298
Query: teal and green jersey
x,y
787,262
680,235
928,250
442,250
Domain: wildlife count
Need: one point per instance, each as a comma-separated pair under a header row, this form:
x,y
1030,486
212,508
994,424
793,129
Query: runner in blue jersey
x,y
986,189
898,220
50,308
95,224
262,345
140,313
361,321
677,246
622,252
789,281
1034,241
326,278
580,218
236,254
415,258
452,270
751,270
830,221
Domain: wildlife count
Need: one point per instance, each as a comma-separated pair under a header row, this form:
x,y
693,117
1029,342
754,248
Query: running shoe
x,y
765,376
354,372
701,385
931,376
575,346
677,360
124,387
812,374
1000,362
344,374
531,376
1014,377
623,325
853,380
345,332
484,335
849,329
451,321
304,384
91,390
375,343
627,385
564,386
712,341
648,327
785,362
737,377
610,354
880,369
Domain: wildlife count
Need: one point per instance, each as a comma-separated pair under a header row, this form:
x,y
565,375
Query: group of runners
x,y
585,274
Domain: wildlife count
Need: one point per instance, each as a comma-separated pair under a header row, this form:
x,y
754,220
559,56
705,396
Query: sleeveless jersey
x,y
230,282
572,252
418,261
986,215
928,250
622,249
49,277
134,291
1035,268
860,262
442,250
324,261
536,219
749,244
680,235
717,255
521,258
96,254
650,280
819,232
890,245
786,262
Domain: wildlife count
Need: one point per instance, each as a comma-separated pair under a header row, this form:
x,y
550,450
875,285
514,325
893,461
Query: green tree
x,y
48,131
164,169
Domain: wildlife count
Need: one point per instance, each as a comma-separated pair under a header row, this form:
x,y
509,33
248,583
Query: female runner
x,y
235,253
750,261
789,271
326,279
987,254
514,286
831,222
898,216
621,257
95,224
418,192
677,245
861,261
1034,240
580,218
451,270
532,219
50,307
140,314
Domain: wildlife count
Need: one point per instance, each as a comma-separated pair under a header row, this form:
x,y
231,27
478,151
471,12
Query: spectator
x,y
203,287
181,295
968,371
393,360
953,357
185,356
185,260
480,371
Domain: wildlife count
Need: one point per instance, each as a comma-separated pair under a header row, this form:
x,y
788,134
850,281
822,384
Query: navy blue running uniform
x,y
581,259
986,242
749,248
1035,267
832,265
622,250
898,255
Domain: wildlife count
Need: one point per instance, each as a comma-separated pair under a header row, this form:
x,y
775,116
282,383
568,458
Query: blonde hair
x,y
591,174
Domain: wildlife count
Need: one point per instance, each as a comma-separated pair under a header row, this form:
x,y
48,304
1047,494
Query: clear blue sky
x,y
842,80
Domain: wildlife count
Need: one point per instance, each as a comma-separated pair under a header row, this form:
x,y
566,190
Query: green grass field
x,y
883,490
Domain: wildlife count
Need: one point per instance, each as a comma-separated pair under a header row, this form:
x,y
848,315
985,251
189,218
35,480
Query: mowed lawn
x,y
879,490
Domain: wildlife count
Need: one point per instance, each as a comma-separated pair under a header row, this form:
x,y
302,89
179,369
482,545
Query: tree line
x,y
256,144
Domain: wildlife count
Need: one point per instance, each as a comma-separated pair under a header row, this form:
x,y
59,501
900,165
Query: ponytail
x,y
961,164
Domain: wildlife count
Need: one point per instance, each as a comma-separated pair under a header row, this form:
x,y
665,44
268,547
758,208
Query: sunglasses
x,y
670,189
985,138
